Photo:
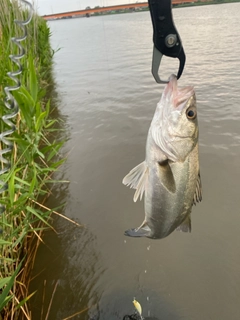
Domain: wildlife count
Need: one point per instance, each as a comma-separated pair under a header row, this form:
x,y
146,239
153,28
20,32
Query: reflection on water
x,y
80,274
72,262
109,97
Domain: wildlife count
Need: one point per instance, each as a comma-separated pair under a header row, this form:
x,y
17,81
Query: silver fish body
x,y
169,176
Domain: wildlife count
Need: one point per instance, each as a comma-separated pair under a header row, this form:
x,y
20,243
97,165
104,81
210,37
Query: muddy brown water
x,y
107,97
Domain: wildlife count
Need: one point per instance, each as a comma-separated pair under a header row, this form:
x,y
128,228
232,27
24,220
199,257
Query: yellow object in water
x,y
137,306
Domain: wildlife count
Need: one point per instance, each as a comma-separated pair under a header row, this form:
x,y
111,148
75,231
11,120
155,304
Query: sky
x,y
56,6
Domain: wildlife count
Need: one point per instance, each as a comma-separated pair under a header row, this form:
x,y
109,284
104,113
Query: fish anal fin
x,y
166,176
137,179
143,225
198,193
186,225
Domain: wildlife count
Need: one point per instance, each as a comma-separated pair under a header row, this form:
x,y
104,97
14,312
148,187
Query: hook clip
x,y
165,37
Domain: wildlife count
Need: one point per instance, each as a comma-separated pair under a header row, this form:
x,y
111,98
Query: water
x,y
108,97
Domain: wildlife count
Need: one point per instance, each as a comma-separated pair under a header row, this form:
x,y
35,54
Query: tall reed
x,y
33,158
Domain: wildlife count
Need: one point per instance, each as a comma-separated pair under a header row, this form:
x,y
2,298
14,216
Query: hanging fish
x,y
169,176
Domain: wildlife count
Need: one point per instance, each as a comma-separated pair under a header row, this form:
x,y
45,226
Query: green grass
x,y
203,3
34,156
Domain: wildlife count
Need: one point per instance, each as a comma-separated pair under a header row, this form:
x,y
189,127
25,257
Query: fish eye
x,y
191,113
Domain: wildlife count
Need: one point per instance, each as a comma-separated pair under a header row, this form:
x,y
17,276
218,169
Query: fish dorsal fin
x,y
185,226
137,179
198,193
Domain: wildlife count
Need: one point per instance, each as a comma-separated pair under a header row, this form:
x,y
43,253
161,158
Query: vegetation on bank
x,y
202,3
140,9
187,4
32,156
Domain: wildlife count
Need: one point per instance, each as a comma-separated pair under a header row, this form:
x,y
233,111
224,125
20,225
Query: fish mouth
x,y
178,96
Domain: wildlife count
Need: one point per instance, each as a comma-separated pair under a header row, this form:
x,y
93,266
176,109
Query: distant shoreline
x,y
183,5
203,3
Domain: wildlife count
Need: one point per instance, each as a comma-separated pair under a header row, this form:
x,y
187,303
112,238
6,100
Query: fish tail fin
x,y
186,225
137,179
142,231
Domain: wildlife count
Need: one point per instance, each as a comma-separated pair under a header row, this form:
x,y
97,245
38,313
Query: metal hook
x,y
156,60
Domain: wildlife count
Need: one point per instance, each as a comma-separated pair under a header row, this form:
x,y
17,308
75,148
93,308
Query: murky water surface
x,y
107,98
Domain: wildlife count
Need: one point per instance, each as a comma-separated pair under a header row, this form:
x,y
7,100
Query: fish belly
x,y
166,209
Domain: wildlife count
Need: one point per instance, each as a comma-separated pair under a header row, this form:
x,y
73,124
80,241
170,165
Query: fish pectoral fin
x,y
186,225
166,176
137,179
142,231
198,193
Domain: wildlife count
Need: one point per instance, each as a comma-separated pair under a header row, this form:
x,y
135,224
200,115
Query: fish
x,y
169,177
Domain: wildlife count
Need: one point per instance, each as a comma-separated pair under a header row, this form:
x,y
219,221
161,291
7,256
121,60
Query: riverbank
x,y
187,4
98,12
29,152
203,3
